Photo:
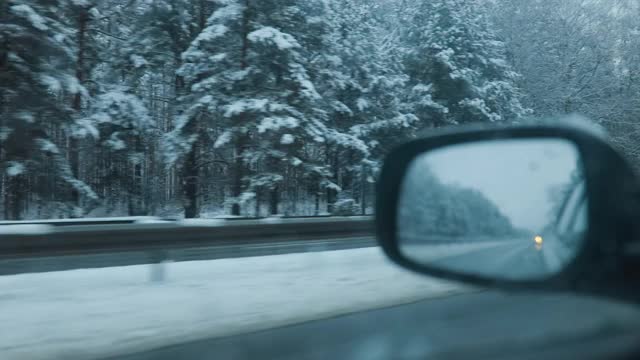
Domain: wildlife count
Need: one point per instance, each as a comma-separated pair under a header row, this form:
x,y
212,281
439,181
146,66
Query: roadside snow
x,y
25,229
203,222
97,312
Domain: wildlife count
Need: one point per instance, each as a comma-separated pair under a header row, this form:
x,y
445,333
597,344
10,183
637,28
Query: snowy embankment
x,y
96,312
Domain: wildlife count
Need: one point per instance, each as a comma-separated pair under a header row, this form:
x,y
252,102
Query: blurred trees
x,y
582,57
447,212
255,107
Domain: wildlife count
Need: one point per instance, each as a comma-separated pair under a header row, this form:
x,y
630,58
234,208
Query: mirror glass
x,y
507,209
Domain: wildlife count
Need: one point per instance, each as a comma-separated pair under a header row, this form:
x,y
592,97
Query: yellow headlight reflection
x,y
538,240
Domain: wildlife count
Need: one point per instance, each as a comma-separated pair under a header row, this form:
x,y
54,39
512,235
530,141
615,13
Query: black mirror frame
x,y
609,180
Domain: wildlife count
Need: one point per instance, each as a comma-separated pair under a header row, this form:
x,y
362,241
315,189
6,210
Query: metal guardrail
x,y
139,219
48,247
84,221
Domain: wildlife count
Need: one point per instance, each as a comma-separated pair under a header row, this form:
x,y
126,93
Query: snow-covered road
x,y
96,312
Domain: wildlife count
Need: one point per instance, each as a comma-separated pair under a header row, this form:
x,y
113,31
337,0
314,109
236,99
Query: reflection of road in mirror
x,y
514,259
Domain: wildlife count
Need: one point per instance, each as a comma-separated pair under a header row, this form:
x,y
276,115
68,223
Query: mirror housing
x,y
607,261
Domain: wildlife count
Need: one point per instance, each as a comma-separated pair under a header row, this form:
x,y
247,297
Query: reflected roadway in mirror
x,y
507,209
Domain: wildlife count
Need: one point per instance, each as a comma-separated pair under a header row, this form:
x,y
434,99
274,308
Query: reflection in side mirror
x,y
507,209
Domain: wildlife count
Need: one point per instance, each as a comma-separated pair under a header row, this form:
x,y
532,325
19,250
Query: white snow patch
x,y
333,186
223,139
282,40
34,18
15,168
422,88
26,116
273,219
238,75
138,61
498,62
52,83
203,222
274,123
47,146
240,106
120,108
95,12
83,188
109,312
217,57
300,74
152,221
74,86
25,229
206,100
231,10
115,143
211,32
444,56
85,127
5,132
287,139
362,104
225,216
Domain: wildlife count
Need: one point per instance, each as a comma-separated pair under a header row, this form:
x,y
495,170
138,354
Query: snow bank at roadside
x,y
96,312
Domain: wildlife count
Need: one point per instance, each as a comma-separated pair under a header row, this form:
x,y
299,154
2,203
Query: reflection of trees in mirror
x,y
567,224
560,197
437,212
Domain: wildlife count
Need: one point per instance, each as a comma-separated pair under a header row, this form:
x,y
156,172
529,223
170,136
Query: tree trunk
x,y
74,163
136,198
274,200
190,183
257,209
363,190
74,146
295,193
238,173
332,194
15,197
202,15
347,176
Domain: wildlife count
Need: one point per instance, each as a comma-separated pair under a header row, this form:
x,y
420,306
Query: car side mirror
x,y
528,207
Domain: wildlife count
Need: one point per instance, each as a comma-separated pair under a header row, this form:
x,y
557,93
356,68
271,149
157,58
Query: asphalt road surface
x,y
484,324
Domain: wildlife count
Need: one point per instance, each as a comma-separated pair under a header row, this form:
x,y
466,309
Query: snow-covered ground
x,y
97,312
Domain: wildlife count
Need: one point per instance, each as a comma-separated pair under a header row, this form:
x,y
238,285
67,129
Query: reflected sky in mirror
x,y
517,175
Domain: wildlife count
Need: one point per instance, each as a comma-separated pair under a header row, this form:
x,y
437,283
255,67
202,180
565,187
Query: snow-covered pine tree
x,y
363,84
457,62
149,56
79,17
121,84
35,47
123,123
248,73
